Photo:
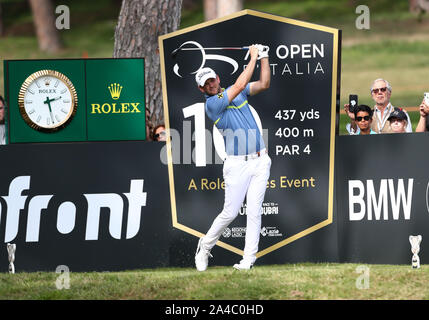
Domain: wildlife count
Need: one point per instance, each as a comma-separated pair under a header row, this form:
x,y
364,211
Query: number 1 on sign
x,y
197,110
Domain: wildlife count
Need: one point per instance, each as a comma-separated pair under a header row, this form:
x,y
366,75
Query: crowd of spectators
x,y
384,117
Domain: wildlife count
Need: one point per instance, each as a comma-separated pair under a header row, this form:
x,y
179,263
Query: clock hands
x,y
48,102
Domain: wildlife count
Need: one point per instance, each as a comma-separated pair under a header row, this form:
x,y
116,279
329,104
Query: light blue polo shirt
x,y
235,121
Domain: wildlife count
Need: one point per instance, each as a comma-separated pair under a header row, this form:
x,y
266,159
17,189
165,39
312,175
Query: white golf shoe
x,y
243,265
202,257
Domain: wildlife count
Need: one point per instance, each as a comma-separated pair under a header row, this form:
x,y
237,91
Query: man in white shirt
x,y
381,90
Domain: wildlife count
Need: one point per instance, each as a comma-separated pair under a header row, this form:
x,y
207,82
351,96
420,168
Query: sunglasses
x,y
379,89
359,119
162,133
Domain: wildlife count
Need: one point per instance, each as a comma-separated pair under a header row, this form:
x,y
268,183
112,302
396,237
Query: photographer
x,y
381,91
423,124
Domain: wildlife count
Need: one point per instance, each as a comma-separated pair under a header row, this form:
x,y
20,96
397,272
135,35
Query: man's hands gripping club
x,y
262,51
256,51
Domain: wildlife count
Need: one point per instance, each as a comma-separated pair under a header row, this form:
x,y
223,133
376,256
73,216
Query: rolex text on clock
x,y
47,100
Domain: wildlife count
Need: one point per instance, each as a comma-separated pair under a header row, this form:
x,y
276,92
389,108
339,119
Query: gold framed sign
x,y
47,100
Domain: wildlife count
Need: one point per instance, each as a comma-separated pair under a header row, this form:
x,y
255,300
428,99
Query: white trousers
x,y
242,178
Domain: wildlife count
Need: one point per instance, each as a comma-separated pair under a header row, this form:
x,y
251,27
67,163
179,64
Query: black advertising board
x,y
106,206
382,186
298,114
88,206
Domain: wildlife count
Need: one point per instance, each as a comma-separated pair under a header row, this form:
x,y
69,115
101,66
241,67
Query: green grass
x,y
276,282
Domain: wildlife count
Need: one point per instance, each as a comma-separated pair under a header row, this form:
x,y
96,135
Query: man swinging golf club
x,y
247,167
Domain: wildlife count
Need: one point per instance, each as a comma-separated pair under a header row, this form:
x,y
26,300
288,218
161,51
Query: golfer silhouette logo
x,y
193,45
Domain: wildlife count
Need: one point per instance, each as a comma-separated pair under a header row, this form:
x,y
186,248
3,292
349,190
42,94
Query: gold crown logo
x,y
115,90
47,81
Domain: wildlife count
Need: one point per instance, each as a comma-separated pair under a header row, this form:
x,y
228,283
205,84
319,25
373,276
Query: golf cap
x,y
397,114
204,74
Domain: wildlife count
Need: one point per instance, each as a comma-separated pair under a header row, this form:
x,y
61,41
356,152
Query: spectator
x,y
363,117
159,133
398,121
381,91
149,125
2,120
423,124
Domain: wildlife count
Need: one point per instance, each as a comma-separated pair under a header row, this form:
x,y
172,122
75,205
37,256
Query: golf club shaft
x,y
218,48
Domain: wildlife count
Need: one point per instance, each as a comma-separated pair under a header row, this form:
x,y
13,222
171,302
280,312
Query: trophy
x,y
415,249
11,248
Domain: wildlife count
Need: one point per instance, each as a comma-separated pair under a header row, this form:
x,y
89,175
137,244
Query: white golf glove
x,y
262,51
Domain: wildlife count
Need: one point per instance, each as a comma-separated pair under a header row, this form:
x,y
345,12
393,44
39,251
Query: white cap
x,y
203,74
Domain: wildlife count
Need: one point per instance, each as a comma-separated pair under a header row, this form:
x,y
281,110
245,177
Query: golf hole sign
x,y
297,115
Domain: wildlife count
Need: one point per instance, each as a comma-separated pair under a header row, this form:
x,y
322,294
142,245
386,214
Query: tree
x,y
219,8
419,7
424,5
413,5
44,20
225,7
140,23
1,23
210,9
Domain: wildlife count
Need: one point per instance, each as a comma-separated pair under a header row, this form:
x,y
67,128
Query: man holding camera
x,y
423,125
381,91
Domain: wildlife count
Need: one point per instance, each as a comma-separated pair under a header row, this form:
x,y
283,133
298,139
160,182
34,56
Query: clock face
x,y
47,100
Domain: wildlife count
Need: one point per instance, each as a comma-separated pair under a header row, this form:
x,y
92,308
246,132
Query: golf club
x,y
174,52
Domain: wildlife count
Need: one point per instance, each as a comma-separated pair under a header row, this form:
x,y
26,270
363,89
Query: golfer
x,y
247,167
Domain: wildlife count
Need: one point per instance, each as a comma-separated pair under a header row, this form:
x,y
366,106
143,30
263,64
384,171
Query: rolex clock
x,y
47,100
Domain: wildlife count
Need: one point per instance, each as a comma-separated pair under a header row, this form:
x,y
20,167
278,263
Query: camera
x,y
426,97
353,102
